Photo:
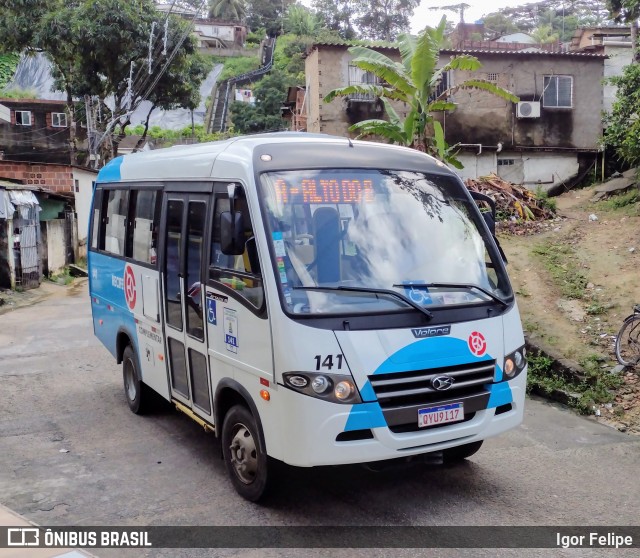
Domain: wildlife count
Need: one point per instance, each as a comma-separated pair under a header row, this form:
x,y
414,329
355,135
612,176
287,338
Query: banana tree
x,y
414,81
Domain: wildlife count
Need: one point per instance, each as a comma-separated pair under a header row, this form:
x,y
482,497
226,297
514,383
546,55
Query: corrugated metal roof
x,y
475,51
524,53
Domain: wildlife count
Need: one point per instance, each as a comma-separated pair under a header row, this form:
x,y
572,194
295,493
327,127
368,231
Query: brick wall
x,y
55,178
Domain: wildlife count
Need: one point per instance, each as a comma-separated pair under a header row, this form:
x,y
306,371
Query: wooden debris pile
x,y
513,202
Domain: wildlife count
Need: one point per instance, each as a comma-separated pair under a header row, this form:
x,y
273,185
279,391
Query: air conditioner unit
x,y
528,109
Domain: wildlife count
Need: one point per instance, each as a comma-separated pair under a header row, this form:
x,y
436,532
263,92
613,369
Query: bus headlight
x,y
514,363
344,390
320,384
337,388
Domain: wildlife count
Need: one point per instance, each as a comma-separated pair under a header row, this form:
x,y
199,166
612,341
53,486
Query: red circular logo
x,y
129,287
477,343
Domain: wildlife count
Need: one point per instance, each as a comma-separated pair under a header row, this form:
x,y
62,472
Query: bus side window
x,y
96,221
144,223
241,273
115,220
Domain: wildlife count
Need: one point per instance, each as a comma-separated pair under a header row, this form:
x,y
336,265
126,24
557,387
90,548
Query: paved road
x,y
61,390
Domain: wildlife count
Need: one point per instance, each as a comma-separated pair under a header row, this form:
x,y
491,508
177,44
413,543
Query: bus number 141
x,y
327,362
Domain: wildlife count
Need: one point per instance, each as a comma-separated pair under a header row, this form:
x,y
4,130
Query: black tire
x,y
138,395
244,455
628,341
460,453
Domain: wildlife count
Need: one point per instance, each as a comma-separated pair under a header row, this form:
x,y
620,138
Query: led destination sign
x,y
312,190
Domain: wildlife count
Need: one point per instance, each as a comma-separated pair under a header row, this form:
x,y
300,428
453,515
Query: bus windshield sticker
x,y
211,311
278,245
231,330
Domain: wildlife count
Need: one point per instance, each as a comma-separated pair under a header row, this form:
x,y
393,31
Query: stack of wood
x,y
513,202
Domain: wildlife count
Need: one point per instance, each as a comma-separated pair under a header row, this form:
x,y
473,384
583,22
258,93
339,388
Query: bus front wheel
x,y
459,453
134,390
244,457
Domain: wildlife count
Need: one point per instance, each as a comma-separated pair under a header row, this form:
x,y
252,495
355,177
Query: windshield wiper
x,y
388,292
465,286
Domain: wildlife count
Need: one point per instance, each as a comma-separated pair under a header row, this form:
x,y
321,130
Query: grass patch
x,y
236,65
621,201
597,387
62,278
561,262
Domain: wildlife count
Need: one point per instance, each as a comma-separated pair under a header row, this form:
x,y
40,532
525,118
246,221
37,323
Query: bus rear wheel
x,y
136,393
460,453
244,457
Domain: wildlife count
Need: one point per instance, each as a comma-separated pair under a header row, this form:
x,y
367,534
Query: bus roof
x,y
196,161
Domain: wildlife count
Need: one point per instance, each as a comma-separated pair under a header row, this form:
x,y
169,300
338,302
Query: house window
x,y
59,119
76,183
492,77
558,92
358,76
23,118
506,162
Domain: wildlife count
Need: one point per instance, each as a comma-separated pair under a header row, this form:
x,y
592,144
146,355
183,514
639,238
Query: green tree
x,y
264,115
384,19
414,81
338,15
544,34
268,14
301,21
232,10
496,25
622,125
92,45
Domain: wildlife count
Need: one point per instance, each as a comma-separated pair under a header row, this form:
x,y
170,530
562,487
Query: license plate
x,y
452,412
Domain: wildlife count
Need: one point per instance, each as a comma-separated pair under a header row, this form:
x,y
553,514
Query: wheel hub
x,y
244,454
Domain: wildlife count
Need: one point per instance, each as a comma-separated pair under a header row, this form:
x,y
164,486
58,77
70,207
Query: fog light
x,y
509,367
298,381
343,390
320,384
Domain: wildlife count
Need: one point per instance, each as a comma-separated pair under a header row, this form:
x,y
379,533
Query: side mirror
x,y
232,233
488,216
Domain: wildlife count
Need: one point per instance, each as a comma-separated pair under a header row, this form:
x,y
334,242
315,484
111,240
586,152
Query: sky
x,y
423,16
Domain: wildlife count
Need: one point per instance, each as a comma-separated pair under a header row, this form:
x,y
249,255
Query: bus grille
x,y
402,394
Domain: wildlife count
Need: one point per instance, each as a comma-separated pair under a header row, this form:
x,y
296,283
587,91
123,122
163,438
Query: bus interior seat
x,y
326,224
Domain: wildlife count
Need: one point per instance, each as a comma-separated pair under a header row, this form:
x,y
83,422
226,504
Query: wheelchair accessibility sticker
x,y
211,311
231,330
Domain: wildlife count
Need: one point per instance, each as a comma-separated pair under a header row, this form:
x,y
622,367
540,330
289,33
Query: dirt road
x,y
575,283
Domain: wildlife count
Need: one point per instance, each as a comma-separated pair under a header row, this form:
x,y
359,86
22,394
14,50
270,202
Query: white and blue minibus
x,y
311,299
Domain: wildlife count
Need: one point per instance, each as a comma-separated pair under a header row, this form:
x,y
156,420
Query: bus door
x,y
186,218
238,329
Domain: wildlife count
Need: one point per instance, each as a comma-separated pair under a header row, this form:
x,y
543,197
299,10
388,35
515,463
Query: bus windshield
x,y
351,240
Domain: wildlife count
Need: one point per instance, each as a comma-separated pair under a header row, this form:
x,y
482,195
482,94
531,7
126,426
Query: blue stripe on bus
x,y
423,355
365,415
111,171
500,395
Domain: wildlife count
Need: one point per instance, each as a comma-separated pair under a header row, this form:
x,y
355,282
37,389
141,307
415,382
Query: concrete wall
x,y
532,169
619,57
484,118
327,68
83,191
56,248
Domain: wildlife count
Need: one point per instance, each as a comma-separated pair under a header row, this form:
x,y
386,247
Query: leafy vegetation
x,y
168,137
236,65
8,65
596,387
